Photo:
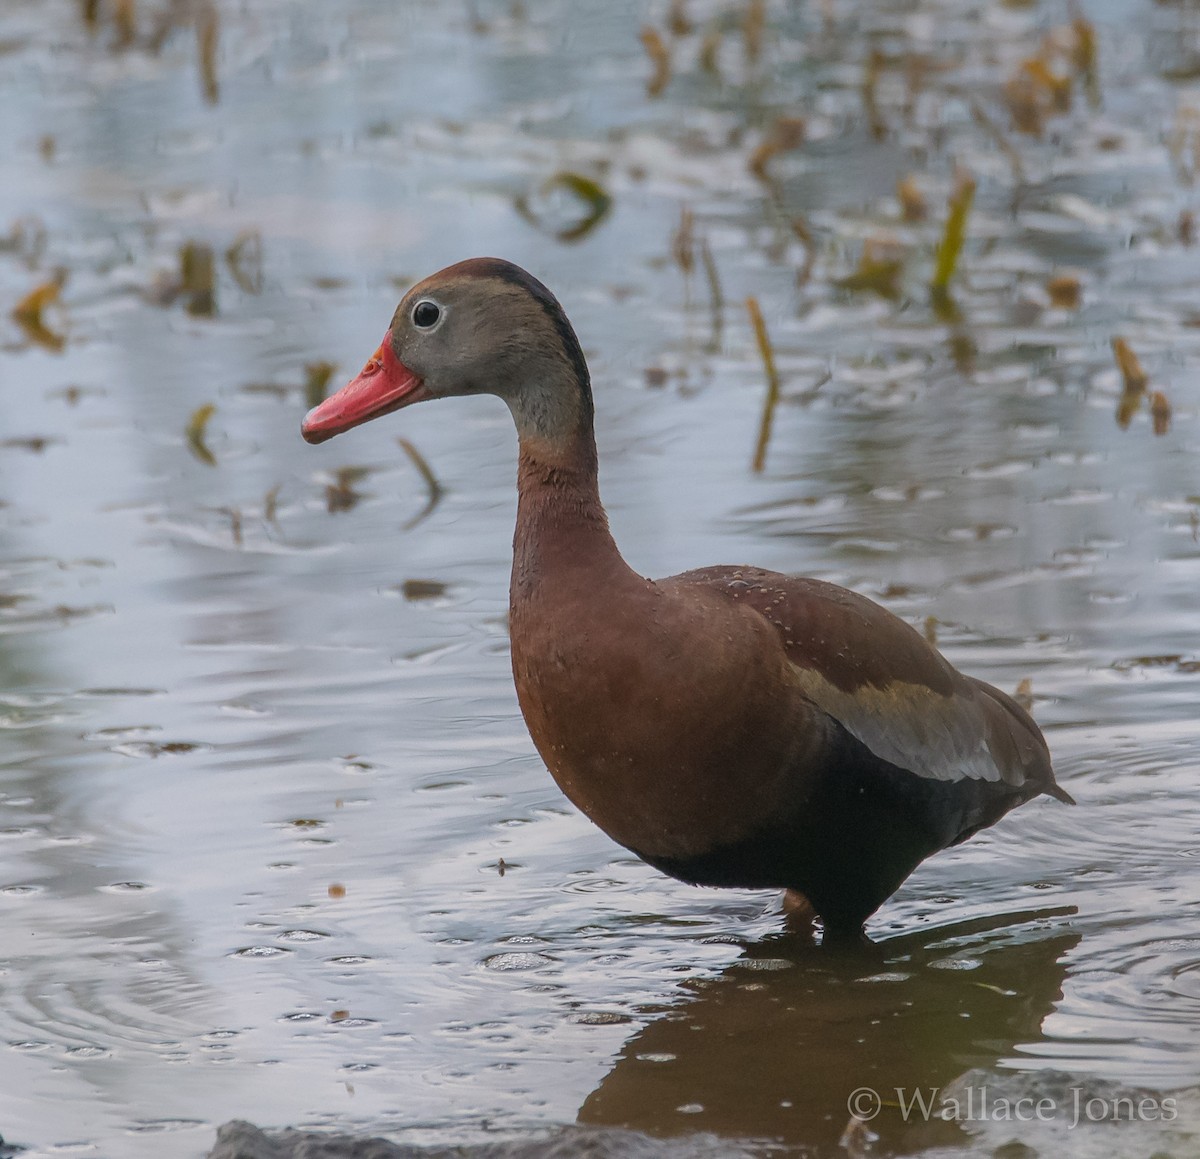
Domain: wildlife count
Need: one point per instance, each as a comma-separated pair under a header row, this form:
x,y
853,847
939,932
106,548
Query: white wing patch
x,y
940,737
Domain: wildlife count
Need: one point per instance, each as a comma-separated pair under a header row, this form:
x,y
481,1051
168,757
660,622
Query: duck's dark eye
x,y
426,314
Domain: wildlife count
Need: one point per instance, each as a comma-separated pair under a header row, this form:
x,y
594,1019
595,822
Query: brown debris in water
x,y
592,196
1134,377
1024,694
234,515
208,31
710,50
683,242
415,590
660,57
754,23
125,19
954,233
432,485
1183,142
340,495
245,261
271,505
677,18
771,400
1065,291
716,297
784,135
336,891
912,201
196,430
1134,382
1084,54
29,313
880,267
1160,412
198,278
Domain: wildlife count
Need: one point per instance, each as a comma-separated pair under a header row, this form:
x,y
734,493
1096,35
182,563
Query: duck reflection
x,y
775,1046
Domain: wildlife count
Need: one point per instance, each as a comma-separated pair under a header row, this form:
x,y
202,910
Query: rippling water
x,y
274,843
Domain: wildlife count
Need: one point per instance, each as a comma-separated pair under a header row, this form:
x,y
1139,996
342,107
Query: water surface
x,y
256,792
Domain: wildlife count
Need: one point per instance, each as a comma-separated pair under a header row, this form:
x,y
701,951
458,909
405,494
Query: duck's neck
x,y
562,529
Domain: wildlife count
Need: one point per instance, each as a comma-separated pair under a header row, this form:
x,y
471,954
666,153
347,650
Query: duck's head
x,y
483,326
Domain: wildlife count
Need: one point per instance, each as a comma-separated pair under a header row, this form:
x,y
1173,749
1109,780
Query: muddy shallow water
x,y
257,785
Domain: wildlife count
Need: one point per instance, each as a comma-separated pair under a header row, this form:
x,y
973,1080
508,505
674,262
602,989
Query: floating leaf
x,y
584,191
710,49
1057,88
1135,378
677,18
28,313
1064,291
198,277
771,400
1084,53
912,200
340,495
419,589
880,266
683,242
716,298
431,481
196,430
30,307
754,23
1026,104
954,233
786,134
245,261
208,28
1160,412
1128,405
125,18
235,523
660,57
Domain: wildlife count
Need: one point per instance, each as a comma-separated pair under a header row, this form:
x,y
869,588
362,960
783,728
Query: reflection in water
x,y
775,1045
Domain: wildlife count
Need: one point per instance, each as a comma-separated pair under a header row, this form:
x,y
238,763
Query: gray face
x,y
471,334
449,335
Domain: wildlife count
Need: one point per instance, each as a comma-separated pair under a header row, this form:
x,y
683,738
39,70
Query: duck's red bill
x,y
385,384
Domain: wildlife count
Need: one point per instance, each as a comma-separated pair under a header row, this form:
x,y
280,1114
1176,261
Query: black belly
x,y
863,827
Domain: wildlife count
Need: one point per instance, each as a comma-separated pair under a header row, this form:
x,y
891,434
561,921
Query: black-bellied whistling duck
x,y
731,726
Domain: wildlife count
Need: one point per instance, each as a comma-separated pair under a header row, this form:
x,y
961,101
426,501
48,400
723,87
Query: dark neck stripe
x,y
515,276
